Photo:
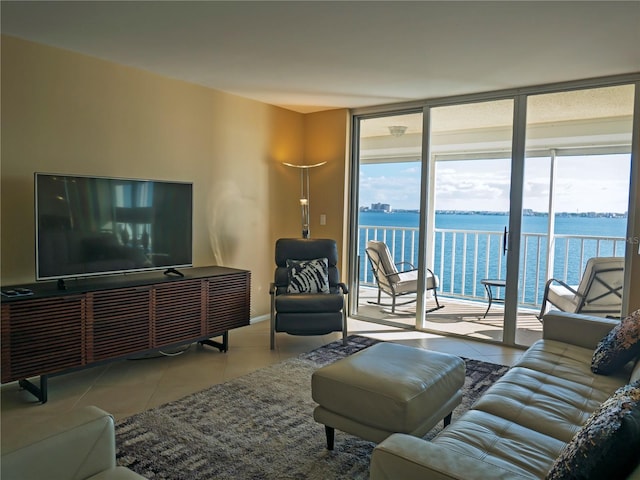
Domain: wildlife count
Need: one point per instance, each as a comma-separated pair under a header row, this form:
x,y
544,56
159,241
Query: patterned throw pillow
x,y
607,445
621,345
308,276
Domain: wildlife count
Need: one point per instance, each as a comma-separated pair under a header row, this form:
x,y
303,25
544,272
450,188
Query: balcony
x,y
462,258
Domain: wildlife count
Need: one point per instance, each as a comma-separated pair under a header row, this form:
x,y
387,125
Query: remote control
x,y
16,292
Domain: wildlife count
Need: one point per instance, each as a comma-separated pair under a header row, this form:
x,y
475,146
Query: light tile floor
x,y
127,387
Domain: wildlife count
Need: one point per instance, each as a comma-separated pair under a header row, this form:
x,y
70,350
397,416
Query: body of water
x,y
569,225
461,260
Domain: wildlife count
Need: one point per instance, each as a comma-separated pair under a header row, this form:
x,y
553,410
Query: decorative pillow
x,y
607,445
621,345
308,276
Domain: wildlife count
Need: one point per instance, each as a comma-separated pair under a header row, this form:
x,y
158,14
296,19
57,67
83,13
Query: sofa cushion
x,y
570,362
491,439
541,402
620,346
607,445
308,303
550,390
308,276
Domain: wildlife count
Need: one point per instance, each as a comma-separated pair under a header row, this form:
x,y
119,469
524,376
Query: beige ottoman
x,y
385,389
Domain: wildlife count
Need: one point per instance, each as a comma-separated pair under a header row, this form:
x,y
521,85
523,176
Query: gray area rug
x,y
260,426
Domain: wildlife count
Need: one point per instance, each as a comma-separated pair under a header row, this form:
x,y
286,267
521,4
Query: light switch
x,y
323,219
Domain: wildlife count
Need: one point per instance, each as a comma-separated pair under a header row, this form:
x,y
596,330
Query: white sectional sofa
x,y
518,428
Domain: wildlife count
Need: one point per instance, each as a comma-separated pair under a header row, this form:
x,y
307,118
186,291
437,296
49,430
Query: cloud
x,y
469,185
594,183
399,192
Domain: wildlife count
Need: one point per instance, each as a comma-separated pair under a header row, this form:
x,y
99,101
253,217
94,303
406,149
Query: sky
x,y
583,184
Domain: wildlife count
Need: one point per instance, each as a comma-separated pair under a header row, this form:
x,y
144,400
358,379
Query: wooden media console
x,y
97,320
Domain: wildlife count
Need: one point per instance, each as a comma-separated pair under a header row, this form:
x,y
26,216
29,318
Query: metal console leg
x,y
223,347
39,392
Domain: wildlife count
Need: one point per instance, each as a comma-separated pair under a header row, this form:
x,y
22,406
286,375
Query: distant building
x,y
380,207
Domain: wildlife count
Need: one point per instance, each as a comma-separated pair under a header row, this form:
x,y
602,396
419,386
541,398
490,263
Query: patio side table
x,y
488,284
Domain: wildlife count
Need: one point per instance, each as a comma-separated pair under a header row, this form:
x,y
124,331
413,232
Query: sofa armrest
x,y
576,329
410,458
75,445
635,475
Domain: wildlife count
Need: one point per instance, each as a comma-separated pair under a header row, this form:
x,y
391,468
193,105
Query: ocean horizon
x,y
607,225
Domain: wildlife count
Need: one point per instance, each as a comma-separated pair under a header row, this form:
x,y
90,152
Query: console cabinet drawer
x,y
179,312
42,335
228,306
119,322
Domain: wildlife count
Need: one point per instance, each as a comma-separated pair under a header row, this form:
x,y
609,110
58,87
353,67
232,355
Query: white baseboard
x,y
261,318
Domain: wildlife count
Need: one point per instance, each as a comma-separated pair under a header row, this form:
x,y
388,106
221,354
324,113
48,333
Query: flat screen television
x,y
97,225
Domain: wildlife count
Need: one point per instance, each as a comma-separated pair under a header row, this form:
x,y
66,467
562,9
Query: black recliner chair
x,y
307,297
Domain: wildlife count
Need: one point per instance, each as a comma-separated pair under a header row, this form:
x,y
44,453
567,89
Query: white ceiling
x,y
309,56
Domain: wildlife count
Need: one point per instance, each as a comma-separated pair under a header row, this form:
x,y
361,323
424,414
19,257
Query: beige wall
x,y
67,113
325,140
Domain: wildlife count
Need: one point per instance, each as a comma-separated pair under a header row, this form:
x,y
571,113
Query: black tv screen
x,y
97,225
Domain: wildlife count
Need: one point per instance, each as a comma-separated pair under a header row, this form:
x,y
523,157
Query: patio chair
x,y
396,283
599,292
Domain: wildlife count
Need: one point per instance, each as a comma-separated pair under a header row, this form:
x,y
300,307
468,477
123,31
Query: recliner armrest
x,y
75,445
575,328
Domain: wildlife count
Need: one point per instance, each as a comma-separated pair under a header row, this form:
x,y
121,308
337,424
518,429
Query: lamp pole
x,y
305,196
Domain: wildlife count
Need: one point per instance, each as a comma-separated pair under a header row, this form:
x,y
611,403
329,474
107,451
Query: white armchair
x,y
394,282
77,446
599,292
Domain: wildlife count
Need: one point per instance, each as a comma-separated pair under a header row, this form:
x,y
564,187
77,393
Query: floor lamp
x,y
304,193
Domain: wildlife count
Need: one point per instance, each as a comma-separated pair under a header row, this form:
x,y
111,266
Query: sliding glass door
x,y
389,189
576,192
470,152
494,196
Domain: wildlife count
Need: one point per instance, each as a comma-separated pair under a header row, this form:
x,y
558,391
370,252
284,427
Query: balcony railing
x,y
462,258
